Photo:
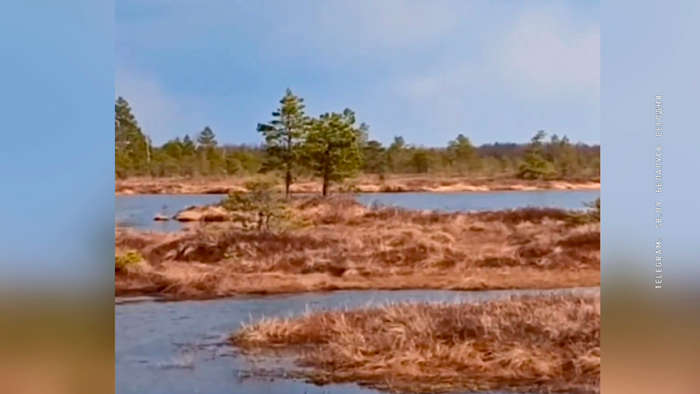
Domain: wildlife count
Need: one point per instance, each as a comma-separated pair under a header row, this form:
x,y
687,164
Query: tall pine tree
x,y
210,156
284,136
131,145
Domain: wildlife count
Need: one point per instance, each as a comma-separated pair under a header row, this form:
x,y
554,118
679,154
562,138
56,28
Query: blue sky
x,y
495,71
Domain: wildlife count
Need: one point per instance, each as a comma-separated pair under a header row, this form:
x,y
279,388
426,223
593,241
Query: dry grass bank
x,y
534,344
344,245
364,184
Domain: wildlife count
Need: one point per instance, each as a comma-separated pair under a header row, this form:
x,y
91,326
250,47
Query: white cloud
x,y
374,25
544,55
328,28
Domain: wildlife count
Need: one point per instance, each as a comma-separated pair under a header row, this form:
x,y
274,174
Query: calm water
x,y
178,348
138,211
150,338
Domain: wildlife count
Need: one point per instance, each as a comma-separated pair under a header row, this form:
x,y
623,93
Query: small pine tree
x,y
375,157
534,165
188,146
207,138
395,154
420,161
461,154
261,208
565,157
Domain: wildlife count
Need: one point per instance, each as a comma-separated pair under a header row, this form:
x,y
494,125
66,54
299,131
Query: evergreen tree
x,y
333,147
250,160
375,157
395,154
461,154
210,157
420,161
535,165
131,145
188,166
207,139
232,165
565,157
288,135
188,147
284,136
174,149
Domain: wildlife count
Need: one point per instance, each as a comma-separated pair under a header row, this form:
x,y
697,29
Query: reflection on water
x,y
178,347
138,211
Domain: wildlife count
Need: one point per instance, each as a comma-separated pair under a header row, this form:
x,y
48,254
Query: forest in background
x,y
333,147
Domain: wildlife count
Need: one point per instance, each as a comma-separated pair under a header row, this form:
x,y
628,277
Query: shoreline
x,y
126,297
398,185
261,285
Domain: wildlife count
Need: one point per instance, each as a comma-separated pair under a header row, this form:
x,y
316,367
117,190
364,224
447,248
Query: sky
x,y
425,70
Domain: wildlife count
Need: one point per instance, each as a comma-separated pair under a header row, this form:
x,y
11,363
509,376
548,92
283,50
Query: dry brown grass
x,y
346,246
533,344
365,184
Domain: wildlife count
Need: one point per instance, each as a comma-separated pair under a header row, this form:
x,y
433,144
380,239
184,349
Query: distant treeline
x,y
332,147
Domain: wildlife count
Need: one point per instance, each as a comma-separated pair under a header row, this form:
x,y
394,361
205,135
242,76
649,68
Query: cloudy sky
x,y
426,70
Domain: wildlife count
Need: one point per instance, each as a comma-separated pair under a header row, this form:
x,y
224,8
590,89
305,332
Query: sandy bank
x,y
362,185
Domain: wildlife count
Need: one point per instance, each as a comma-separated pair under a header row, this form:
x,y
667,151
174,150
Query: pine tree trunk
x,y
326,171
325,185
287,183
288,176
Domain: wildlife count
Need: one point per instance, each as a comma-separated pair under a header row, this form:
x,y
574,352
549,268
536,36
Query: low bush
x,y
124,261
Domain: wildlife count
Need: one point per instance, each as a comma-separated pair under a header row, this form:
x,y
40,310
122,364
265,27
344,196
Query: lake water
x,y
150,338
179,347
138,211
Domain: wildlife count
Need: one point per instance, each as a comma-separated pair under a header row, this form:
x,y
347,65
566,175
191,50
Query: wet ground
x,y
179,347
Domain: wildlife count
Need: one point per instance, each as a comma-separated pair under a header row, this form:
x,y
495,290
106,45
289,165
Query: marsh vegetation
x,y
527,344
320,244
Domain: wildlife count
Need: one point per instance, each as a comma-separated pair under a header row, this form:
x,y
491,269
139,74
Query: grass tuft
x,y
122,261
534,344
